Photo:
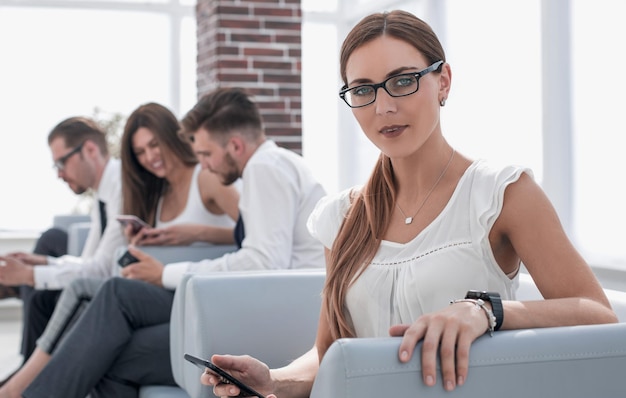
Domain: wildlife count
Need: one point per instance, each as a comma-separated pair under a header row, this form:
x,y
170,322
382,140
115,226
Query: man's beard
x,y
78,189
232,174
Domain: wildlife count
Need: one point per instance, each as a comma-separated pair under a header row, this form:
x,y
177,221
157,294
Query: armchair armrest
x,y
76,237
63,221
195,252
577,361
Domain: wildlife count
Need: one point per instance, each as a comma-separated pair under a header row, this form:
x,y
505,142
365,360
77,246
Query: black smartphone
x,y
127,259
225,377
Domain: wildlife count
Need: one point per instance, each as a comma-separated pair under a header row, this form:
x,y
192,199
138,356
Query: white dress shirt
x,y
278,194
97,256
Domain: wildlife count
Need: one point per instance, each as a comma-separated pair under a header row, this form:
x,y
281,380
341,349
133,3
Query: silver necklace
x,y
409,220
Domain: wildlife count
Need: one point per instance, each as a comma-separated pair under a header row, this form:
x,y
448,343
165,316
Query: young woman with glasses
x,y
430,225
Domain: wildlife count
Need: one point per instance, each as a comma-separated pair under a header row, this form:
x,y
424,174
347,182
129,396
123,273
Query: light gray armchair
x,y
77,228
274,318
578,361
271,315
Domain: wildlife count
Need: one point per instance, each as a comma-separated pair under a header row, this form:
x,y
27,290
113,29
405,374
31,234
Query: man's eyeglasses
x,y
59,164
396,86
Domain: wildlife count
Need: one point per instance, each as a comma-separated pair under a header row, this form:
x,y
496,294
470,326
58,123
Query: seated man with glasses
x,y
82,160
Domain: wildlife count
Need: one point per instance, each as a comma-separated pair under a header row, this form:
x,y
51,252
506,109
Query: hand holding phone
x,y
127,259
224,376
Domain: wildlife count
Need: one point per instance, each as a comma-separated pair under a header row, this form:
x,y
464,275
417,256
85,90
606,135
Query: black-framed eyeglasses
x,y
59,164
396,86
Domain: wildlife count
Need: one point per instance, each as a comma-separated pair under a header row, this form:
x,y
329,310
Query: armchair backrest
x,y
271,315
575,361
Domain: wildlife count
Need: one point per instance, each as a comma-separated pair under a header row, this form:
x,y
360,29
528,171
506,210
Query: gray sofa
x,y
276,320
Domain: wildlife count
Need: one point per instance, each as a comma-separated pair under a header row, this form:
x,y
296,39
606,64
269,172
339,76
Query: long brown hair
x,y
141,189
369,215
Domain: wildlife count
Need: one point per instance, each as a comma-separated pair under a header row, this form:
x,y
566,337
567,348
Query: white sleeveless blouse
x,y
449,257
195,212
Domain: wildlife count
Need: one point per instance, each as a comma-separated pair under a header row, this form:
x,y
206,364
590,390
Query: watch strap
x,y
496,304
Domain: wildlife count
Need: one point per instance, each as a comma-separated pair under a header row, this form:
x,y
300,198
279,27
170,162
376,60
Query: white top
x,y
195,212
277,196
97,256
449,257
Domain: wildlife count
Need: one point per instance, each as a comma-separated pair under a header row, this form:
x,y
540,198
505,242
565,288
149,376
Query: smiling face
x,y
398,126
147,150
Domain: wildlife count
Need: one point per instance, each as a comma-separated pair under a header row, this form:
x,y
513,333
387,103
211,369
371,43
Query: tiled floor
x,y
10,329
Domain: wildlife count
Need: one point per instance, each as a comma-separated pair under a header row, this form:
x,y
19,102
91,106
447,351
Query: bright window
x,y
59,62
598,64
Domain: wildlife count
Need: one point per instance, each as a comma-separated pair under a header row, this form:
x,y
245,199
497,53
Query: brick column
x,y
255,44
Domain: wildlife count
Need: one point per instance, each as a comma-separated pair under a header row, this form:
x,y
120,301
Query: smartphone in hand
x,y
224,376
127,259
135,221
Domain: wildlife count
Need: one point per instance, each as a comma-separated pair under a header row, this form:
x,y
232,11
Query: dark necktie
x,y
239,232
103,216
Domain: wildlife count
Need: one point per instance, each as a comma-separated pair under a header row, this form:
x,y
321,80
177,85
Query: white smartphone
x,y
135,221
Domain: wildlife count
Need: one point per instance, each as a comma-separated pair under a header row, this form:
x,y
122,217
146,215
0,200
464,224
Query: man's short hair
x,y
76,130
223,112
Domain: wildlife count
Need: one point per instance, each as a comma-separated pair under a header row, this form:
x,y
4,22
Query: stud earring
x,y
442,102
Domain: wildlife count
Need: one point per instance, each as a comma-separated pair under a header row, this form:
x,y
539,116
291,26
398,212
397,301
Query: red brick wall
x,y
255,44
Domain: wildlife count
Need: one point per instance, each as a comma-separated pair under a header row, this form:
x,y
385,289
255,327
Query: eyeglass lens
x,y
59,164
396,86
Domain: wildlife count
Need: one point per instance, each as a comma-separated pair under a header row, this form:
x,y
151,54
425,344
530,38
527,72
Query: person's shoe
x,y
9,292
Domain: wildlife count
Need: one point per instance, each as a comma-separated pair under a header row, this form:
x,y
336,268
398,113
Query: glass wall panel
x,y
59,63
494,108
599,84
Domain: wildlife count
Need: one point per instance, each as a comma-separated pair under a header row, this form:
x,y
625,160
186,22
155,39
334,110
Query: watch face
x,y
481,294
477,294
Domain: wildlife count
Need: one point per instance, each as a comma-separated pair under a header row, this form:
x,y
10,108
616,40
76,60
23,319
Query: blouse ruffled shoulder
x,y
328,215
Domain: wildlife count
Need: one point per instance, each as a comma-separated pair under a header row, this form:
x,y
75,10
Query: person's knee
x,y
83,288
52,242
116,288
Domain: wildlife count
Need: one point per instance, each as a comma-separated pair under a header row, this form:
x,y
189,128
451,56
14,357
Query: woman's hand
x,y
132,233
246,369
175,235
451,331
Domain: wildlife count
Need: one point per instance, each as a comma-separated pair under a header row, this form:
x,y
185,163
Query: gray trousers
x,y
38,305
71,303
120,342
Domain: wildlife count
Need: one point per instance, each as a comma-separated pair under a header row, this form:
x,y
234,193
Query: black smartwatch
x,y
494,299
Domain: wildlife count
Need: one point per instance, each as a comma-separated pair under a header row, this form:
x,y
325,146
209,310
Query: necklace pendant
x,y
408,220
